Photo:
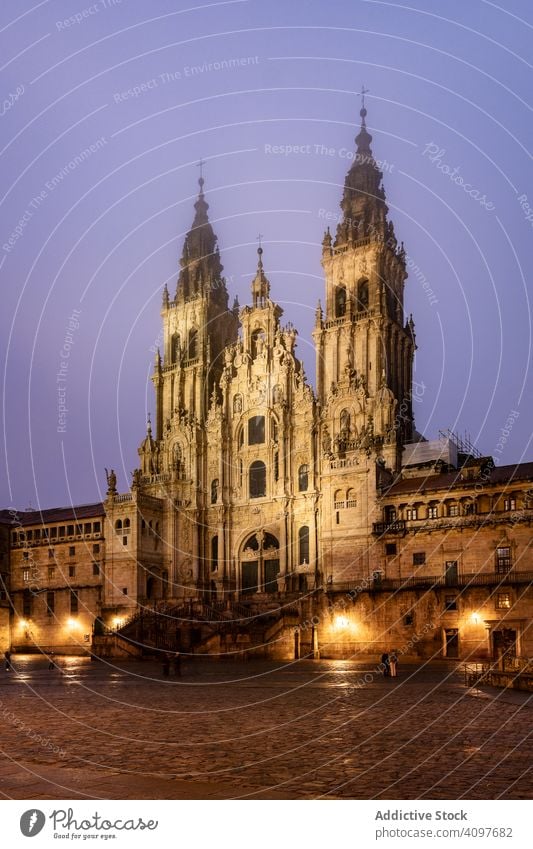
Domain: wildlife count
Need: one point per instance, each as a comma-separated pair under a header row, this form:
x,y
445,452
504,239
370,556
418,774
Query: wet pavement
x,y
306,729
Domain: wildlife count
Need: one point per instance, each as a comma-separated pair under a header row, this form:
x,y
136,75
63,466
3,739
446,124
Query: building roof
x,y
497,476
73,513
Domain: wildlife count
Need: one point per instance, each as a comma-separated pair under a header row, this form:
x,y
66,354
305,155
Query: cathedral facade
x,y
245,459
257,492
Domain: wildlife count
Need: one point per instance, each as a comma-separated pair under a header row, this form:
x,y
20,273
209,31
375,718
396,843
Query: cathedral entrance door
x,y
249,577
271,572
260,564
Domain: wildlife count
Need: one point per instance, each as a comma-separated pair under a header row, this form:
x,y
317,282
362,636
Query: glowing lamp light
x,y
72,623
23,623
475,618
118,622
341,622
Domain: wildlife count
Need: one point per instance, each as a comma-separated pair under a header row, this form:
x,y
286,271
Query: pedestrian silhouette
x,y
385,663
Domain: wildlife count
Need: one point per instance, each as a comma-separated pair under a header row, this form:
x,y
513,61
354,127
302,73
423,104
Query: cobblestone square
x,y
307,729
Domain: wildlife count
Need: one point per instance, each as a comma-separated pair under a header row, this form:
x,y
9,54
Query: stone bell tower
x,y
364,347
364,351
197,325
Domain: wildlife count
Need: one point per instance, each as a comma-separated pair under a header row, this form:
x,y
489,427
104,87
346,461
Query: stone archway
x,y
259,564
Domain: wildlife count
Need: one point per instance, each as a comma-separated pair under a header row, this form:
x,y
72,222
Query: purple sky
x,y
103,239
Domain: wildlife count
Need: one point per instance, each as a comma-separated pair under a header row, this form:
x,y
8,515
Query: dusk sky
x,y
267,93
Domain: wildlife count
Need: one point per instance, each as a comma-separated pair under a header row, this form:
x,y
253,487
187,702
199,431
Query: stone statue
x,y
111,482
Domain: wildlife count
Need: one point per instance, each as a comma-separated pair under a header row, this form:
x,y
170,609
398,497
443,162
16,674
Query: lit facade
x,y
256,489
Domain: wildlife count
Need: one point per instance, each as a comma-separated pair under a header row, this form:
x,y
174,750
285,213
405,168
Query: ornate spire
x,y
260,283
201,269
363,202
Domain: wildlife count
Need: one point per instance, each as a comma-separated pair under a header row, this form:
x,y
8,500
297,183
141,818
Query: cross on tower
x,y
259,237
200,164
362,95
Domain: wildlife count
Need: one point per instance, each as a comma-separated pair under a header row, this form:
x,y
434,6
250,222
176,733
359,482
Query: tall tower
x,y
364,353
197,325
363,340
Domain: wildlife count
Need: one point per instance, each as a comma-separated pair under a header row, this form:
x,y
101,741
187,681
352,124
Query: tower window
x,y
303,545
340,301
362,295
74,603
419,558
257,479
303,478
256,430
214,491
174,348
390,549
192,351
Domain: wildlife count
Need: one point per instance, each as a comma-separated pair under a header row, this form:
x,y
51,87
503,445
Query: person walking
x,y
393,664
176,660
51,662
385,663
9,665
166,664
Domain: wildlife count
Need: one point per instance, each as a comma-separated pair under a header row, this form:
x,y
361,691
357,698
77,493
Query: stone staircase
x,y
221,629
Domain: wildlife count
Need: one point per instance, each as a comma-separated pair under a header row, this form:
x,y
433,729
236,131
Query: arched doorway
x,y
259,564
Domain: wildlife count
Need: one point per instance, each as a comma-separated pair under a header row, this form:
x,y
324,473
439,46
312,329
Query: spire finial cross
x,y
259,239
362,95
200,164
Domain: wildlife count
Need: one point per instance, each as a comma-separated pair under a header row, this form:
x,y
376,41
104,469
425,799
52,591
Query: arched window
x,y
362,295
351,499
258,342
303,478
118,525
192,351
126,523
257,479
214,553
303,545
340,301
214,491
174,348
256,430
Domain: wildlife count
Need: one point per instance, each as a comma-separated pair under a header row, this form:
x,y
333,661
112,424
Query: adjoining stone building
x,y
256,493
